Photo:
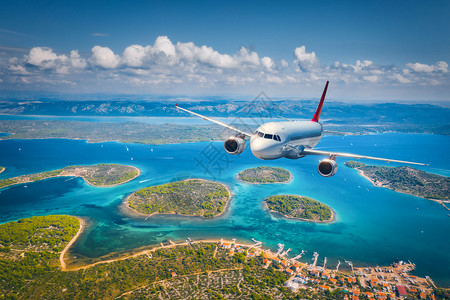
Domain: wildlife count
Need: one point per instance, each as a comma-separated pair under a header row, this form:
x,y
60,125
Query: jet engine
x,y
234,145
327,167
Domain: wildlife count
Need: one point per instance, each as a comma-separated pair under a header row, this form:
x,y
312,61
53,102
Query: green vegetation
x,y
98,175
407,180
30,269
48,233
29,251
298,207
193,197
265,175
124,132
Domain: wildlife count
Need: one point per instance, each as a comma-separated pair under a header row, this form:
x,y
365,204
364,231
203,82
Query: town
x,y
392,282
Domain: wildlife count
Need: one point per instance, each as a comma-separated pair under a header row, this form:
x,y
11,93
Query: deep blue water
x,y
373,226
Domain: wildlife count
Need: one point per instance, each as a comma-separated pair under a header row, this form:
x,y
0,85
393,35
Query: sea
x,y
373,227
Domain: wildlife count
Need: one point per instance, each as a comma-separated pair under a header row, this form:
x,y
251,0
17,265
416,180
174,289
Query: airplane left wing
x,y
214,121
331,154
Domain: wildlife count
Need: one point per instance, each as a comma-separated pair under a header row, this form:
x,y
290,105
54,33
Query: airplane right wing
x,y
331,154
214,121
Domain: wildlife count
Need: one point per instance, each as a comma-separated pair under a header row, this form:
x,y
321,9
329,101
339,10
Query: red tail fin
x,y
319,108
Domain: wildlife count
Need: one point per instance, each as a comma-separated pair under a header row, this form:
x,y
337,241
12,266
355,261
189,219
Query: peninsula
x,y
192,197
218,269
406,180
101,175
265,175
2,169
298,207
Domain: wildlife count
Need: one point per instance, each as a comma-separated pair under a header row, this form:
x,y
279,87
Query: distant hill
x,y
395,117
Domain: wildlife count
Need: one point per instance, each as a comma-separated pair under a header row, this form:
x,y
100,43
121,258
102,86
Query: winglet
x,y
176,105
319,108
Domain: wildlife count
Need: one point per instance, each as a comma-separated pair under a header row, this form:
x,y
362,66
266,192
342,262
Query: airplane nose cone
x,y
257,148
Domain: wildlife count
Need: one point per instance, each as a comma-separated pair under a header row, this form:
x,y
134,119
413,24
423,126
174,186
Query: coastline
x,y
151,248
441,202
333,216
276,182
127,210
62,174
63,253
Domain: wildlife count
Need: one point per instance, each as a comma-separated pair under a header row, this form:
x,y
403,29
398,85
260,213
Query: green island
x,y
101,175
265,175
29,269
406,180
298,207
123,132
193,197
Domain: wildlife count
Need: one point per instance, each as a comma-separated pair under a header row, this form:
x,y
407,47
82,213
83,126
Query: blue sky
x,y
369,50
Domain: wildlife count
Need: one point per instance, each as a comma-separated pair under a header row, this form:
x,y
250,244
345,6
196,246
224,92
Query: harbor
x,y
382,282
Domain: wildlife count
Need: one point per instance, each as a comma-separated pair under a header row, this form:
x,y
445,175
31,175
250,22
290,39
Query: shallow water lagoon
x,y
373,226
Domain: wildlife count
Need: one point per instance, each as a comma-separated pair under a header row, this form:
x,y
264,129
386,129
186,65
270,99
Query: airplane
x,y
289,139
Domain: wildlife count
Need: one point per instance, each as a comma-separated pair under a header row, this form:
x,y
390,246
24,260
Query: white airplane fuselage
x,y
285,139
293,139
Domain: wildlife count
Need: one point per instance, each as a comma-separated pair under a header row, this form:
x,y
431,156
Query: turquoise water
x,y
373,226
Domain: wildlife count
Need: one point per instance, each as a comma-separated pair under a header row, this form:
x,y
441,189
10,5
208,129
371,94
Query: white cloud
x,y
274,79
76,60
371,78
167,65
45,58
440,66
134,55
306,61
18,69
104,57
164,45
400,78
267,62
359,66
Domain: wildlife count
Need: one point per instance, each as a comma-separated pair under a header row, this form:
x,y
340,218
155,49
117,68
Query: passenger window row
x,y
268,136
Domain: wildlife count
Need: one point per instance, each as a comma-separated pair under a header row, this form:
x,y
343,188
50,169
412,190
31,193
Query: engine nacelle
x,y
327,167
234,145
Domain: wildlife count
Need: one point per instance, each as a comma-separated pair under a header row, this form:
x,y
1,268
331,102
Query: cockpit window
x,y
268,136
260,134
277,138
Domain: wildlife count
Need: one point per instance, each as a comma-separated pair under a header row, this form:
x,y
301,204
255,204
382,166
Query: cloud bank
x,y
168,66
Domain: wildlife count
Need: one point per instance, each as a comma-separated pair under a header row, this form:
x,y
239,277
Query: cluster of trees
x,y
109,174
190,197
37,273
407,180
8,182
124,132
299,207
101,174
354,164
265,175
50,233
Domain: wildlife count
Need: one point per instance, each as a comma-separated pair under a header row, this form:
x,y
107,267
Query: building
x,y
293,286
401,291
